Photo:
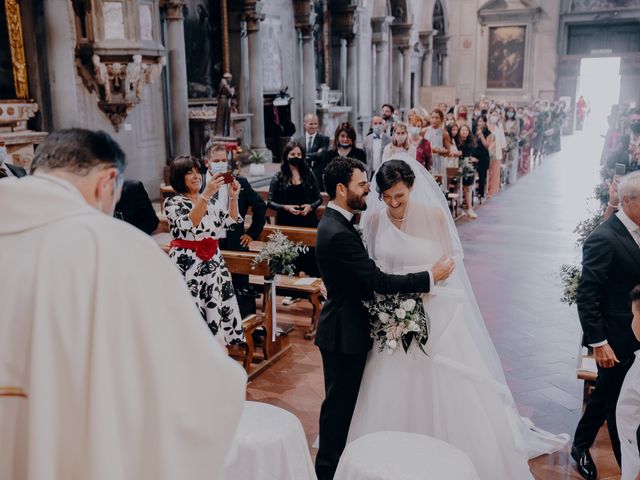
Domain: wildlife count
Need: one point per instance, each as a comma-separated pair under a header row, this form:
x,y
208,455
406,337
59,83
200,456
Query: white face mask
x,y
217,167
493,119
377,129
414,131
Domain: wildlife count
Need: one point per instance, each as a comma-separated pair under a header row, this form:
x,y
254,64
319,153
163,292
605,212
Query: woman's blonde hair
x,y
402,126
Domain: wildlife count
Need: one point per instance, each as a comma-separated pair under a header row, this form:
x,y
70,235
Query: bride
x,y
457,392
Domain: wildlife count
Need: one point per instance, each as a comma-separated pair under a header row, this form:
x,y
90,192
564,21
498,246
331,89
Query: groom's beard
x,y
356,202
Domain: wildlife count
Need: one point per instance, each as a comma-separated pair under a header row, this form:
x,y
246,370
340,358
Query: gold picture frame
x,y
16,43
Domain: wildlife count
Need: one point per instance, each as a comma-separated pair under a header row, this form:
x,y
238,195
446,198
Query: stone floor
x,y
513,254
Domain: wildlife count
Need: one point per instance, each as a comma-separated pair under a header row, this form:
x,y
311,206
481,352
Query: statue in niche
x,y
133,79
223,113
102,77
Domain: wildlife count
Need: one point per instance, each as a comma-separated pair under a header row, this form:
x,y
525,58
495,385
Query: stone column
x,y
445,69
308,70
256,92
177,78
343,70
381,40
406,79
427,58
352,79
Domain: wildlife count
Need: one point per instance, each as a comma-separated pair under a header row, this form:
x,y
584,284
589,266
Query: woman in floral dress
x,y
195,223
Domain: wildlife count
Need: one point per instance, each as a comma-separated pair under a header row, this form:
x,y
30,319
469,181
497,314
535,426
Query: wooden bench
x,y
586,370
272,350
289,286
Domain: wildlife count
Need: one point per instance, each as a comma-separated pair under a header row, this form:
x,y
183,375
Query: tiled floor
x,y
513,254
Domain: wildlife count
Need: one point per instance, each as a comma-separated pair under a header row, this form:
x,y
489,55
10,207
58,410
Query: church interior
x,y
519,113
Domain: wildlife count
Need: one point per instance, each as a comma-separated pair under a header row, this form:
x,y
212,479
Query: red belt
x,y
205,249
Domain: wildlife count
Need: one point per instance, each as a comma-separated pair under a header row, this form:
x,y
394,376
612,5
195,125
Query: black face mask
x,y
295,161
635,127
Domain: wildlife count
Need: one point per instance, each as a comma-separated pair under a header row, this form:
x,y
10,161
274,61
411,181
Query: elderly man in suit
x,y
374,143
314,144
610,270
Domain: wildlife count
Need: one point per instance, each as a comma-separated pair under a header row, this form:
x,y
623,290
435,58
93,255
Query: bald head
x,y
310,123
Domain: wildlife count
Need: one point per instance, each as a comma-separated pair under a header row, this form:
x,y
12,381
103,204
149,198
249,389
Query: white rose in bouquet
x,y
384,317
408,305
413,327
392,344
400,313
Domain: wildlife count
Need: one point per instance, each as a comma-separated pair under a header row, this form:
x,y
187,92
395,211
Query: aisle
x,y
513,253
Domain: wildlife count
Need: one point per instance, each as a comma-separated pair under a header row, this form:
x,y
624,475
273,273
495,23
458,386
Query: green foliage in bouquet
x,y
466,169
584,228
570,276
601,193
280,253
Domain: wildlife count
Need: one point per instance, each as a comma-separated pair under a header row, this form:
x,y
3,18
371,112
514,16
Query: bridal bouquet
x,y
398,320
570,276
280,253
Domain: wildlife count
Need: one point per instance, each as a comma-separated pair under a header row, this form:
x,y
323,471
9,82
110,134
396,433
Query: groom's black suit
x,y
610,270
350,277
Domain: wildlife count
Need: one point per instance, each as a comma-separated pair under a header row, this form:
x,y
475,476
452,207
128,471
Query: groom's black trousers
x,y
342,377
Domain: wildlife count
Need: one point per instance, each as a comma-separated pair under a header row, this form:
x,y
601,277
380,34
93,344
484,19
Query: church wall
x,y
141,136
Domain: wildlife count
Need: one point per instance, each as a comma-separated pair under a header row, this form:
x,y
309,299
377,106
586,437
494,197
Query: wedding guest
x,y
467,146
100,339
195,223
628,408
387,112
440,144
135,207
418,145
344,145
526,135
8,170
295,196
497,144
374,144
605,316
483,142
462,117
399,141
512,135
628,150
581,112
314,144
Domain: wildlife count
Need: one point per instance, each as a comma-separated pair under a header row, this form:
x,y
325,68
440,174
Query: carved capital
x,y
306,31
380,29
173,9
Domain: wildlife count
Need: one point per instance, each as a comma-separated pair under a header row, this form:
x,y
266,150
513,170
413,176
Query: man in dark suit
x,y
314,144
374,143
610,270
350,277
135,207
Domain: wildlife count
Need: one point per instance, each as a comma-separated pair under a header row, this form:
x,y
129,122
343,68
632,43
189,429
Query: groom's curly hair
x,y
340,171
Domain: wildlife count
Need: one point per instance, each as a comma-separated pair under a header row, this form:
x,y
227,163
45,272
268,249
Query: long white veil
x,y
428,222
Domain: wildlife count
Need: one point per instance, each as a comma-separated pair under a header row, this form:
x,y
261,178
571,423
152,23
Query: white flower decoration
x,y
384,317
400,313
408,305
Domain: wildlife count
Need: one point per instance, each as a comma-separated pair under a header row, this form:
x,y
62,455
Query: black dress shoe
x,y
584,463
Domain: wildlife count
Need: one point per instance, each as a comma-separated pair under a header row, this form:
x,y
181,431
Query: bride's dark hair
x,y
393,172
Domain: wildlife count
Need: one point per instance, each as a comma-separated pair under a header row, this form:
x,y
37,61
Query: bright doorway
x,y
599,84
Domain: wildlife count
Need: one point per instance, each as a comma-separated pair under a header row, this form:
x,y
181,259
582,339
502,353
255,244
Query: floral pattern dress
x,y
209,281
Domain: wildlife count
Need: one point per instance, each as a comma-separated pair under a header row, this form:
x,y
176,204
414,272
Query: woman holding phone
x,y
195,223
295,196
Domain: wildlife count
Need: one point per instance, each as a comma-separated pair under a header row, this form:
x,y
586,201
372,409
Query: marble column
x,y
381,40
308,70
406,79
445,69
343,70
352,79
177,78
427,58
256,90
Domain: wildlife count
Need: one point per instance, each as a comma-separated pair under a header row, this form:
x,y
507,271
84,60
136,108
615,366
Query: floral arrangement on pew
x,y
280,253
398,320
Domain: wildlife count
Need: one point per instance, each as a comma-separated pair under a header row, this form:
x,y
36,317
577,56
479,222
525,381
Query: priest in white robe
x,y
107,370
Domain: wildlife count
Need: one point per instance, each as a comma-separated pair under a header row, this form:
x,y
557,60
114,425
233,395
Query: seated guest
x,y
314,144
235,238
399,141
295,196
418,145
344,145
374,143
135,207
628,408
195,223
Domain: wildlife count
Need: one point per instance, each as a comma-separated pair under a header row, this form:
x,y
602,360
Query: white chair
x,y
270,444
403,456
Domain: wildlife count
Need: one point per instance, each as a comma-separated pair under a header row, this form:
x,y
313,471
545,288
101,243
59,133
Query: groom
x,y
350,277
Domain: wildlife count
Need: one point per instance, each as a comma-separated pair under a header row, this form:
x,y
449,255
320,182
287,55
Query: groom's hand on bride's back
x,y
443,268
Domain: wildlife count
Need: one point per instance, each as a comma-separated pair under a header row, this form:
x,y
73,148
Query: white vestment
x,y
121,377
628,421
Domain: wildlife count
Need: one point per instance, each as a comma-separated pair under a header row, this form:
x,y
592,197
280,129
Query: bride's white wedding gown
x,y
458,392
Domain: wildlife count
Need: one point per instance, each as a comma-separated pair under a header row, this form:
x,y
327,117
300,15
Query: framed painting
x,y
506,57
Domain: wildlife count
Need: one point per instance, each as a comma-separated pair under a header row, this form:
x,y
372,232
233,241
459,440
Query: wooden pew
x,y
271,213
587,372
287,286
242,263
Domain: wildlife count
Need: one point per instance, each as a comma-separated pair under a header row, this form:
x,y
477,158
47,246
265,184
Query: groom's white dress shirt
x,y
349,216
634,230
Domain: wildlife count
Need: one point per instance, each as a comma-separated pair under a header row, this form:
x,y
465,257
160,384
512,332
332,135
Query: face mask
x,y
217,167
463,115
344,145
295,161
476,113
493,119
448,123
378,129
510,114
401,137
414,131
635,127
